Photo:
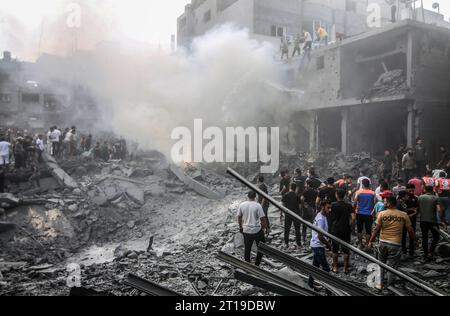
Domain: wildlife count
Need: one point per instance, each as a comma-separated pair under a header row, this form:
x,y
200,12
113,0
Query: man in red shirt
x,y
418,183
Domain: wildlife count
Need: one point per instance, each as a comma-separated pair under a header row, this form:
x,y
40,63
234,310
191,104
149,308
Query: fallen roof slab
x,y
195,185
59,174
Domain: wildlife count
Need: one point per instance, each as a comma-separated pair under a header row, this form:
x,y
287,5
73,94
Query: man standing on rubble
x,y
39,148
428,209
319,243
55,138
399,159
292,201
341,219
261,200
409,164
300,181
284,48
4,151
327,193
2,178
390,224
444,162
411,202
309,206
388,162
421,158
253,225
297,45
285,182
322,35
365,200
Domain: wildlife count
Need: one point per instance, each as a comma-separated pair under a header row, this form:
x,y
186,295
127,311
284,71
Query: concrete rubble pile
x,y
389,83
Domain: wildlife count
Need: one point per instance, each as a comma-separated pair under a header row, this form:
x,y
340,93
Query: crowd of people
x,y
303,43
22,150
385,212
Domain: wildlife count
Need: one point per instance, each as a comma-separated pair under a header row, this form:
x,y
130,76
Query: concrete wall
x,y
321,86
431,64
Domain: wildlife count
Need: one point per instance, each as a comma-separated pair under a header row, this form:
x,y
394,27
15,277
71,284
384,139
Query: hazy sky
x,y
149,21
143,20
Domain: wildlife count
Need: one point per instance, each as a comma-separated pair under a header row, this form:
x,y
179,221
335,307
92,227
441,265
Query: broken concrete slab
x,y
7,266
195,185
59,174
9,199
6,227
114,187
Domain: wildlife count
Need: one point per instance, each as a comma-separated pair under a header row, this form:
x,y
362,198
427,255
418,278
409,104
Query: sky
x,y
143,21
150,21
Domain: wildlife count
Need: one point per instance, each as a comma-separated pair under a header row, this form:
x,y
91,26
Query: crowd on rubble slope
x,y
22,150
385,211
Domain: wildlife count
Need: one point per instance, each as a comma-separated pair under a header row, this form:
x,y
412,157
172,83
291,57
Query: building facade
x,y
378,90
31,98
268,19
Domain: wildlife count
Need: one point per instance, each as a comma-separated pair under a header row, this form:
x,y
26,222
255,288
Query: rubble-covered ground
x,y
139,217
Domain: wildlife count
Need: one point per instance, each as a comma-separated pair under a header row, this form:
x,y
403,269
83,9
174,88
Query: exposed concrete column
x,y
409,60
314,132
344,131
411,130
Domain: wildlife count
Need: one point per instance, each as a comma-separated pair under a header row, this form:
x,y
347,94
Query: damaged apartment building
x,y
370,89
33,97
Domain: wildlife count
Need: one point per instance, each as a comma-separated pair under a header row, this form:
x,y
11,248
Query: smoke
x,y
228,79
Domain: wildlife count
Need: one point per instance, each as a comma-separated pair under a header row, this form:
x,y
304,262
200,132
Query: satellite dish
x,y
436,5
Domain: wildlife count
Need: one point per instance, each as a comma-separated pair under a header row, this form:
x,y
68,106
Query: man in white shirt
x,y
55,136
39,147
4,152
253,225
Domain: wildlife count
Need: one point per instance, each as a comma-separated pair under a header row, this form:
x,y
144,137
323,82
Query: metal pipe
x,y
297,218
264,275
321,275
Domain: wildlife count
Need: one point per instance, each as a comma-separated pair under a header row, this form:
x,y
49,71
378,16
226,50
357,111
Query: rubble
x,y
195,185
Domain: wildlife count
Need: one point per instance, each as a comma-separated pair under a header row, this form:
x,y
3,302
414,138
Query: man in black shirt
x,y
261,200
341,219
292,201
328,193
410,204
315,181
300,181
309,210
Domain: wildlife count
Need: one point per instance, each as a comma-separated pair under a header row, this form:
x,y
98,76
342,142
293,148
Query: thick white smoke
x,y
224,80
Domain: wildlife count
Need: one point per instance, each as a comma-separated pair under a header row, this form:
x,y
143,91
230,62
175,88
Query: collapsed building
x,y
370,89
378,90
33,97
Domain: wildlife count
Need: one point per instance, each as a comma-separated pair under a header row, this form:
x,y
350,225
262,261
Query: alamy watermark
x,y
73,20
232,144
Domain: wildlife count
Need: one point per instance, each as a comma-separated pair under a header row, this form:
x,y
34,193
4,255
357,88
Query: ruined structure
x,y
37,95
374,90
378,90
269,20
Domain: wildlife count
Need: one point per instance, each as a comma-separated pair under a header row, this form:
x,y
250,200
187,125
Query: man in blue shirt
x,y
365,201
319,243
